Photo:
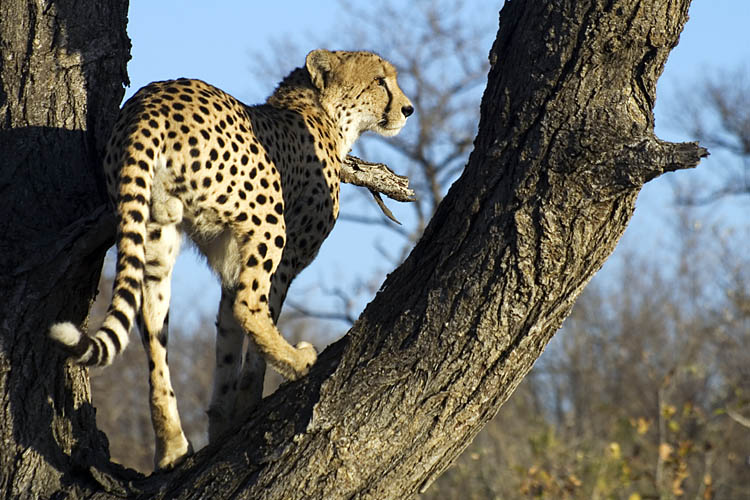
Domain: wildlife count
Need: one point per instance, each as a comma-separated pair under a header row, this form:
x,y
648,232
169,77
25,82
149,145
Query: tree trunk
x,y
62,70
565,143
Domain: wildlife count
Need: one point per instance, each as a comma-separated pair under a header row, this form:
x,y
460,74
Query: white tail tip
x,y
65,333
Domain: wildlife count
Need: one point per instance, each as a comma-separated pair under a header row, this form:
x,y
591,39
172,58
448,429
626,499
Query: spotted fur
x,y
256,188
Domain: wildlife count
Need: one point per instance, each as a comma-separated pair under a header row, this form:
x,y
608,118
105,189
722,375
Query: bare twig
x,y
740,419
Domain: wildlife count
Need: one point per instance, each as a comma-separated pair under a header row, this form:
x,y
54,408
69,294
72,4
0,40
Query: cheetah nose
x,y
407,110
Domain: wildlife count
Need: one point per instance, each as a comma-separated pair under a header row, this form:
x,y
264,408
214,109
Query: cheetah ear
x,y
319,64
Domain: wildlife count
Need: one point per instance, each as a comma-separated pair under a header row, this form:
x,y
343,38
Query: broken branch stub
x,y
378,178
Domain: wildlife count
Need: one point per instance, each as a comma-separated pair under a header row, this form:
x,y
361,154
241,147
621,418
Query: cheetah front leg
x,y
251,309
162,246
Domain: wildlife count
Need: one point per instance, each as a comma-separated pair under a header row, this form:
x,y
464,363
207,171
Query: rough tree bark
x,y
565,143
62,68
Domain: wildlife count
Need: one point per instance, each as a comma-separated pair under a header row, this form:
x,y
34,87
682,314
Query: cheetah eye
x,y
380,81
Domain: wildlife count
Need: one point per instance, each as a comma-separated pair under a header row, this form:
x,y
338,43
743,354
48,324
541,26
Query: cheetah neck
x,y
297,93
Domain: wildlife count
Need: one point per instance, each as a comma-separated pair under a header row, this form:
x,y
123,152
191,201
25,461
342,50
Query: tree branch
x,y
376,177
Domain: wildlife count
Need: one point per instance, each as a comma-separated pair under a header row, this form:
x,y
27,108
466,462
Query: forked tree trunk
x,y
565,144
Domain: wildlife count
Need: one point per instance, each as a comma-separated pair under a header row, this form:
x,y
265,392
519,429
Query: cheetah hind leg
x,y
162,247
251,379
249,383
229,341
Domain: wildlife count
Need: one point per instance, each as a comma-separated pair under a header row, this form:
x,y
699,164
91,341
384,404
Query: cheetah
x,y
256,188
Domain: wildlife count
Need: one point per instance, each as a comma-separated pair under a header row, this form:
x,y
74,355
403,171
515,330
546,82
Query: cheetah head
x,y
359,91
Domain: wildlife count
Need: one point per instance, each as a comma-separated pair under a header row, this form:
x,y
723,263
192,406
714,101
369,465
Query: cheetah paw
x,y
307,355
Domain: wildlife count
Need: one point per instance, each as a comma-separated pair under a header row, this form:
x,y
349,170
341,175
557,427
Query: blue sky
x,y
213,41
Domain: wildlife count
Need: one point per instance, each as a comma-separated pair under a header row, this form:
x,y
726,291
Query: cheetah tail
x,y
112,337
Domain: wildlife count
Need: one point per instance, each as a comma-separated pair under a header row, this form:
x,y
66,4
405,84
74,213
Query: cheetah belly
x,y
220,248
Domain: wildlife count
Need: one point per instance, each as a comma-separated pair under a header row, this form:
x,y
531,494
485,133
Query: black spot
x,y
252,261
262,249
279,208
213,155
155,234
206,182
241,217
244,159
198,118
261,199
126,198
271,219
178,117
192,141
279,242
194,153
195,166
221,199
113,337
136,215
268,265
122,318
127,296
254,149
134,237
